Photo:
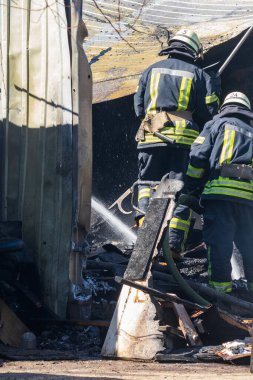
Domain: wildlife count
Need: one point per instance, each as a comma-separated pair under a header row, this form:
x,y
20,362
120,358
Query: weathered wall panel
x,y
36,118
82,116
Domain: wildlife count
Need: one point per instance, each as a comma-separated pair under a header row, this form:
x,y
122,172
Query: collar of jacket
x,y
180,50
236,111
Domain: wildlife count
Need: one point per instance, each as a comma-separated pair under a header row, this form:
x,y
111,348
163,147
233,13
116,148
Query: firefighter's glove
x,y
191,201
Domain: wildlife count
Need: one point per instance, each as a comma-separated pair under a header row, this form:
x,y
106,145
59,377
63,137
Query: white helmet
x,y
237,98
190,38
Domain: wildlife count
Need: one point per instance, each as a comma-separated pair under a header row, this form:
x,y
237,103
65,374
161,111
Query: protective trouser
x,y
152,167
226,222
179,227
153,164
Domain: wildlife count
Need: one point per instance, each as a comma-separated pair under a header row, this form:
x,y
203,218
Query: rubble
x,y
211,326
182,322
71,338
236,349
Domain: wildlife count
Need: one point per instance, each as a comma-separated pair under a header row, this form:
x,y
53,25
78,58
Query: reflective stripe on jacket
x,y
183,132
227,139
176,85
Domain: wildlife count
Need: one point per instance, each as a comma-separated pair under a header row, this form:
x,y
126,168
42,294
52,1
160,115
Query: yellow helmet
x,y
237,98
190,38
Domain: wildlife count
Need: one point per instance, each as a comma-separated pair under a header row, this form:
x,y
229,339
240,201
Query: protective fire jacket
x,y
177,84
227,139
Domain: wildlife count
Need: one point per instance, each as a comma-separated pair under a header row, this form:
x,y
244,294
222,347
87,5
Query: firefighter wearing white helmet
x,y
221,169
175,97
189,38
237,98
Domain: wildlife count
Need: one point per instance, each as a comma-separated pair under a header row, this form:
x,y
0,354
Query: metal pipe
x,y
165,138
233,53
213,64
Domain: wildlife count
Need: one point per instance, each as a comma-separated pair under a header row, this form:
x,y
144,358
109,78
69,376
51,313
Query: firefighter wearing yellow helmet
x,y
175,97
220,171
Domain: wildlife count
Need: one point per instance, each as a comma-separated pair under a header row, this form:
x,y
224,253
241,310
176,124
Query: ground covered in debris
x,y
120,370
91,306
78,338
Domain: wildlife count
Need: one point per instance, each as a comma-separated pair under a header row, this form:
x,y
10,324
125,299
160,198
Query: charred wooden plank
x,y
186,325
220,325
233,320
185,355
169,297
171,330
149,233
209,354
147,239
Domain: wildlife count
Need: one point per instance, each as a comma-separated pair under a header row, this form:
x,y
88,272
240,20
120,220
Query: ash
x,y
87,340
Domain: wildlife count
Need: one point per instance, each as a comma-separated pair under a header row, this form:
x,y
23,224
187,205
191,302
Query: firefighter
x,y
175,97
220,168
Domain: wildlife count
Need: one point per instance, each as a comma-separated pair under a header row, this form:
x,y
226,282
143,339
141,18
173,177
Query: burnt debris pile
x,y
194,322
191,332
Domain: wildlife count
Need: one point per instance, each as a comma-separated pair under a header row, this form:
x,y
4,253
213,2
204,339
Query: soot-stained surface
x,y
115,154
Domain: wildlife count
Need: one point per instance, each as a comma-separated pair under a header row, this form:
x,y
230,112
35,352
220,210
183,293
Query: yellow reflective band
x,y
224,147
225,287
230,192
151,139
228,145
137,88
151,89
181,94
180,224
199,140
231,146
179,132
144,189
230,183
179,220
154,83
179,129
211,99
184,140
187,95
195,172
144,193
184,94
183,132
179,125
140,221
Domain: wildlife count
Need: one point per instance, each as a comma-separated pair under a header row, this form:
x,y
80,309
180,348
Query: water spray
x,y
128,236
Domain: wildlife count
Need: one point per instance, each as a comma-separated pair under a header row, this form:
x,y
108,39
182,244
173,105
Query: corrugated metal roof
x,y
125,36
